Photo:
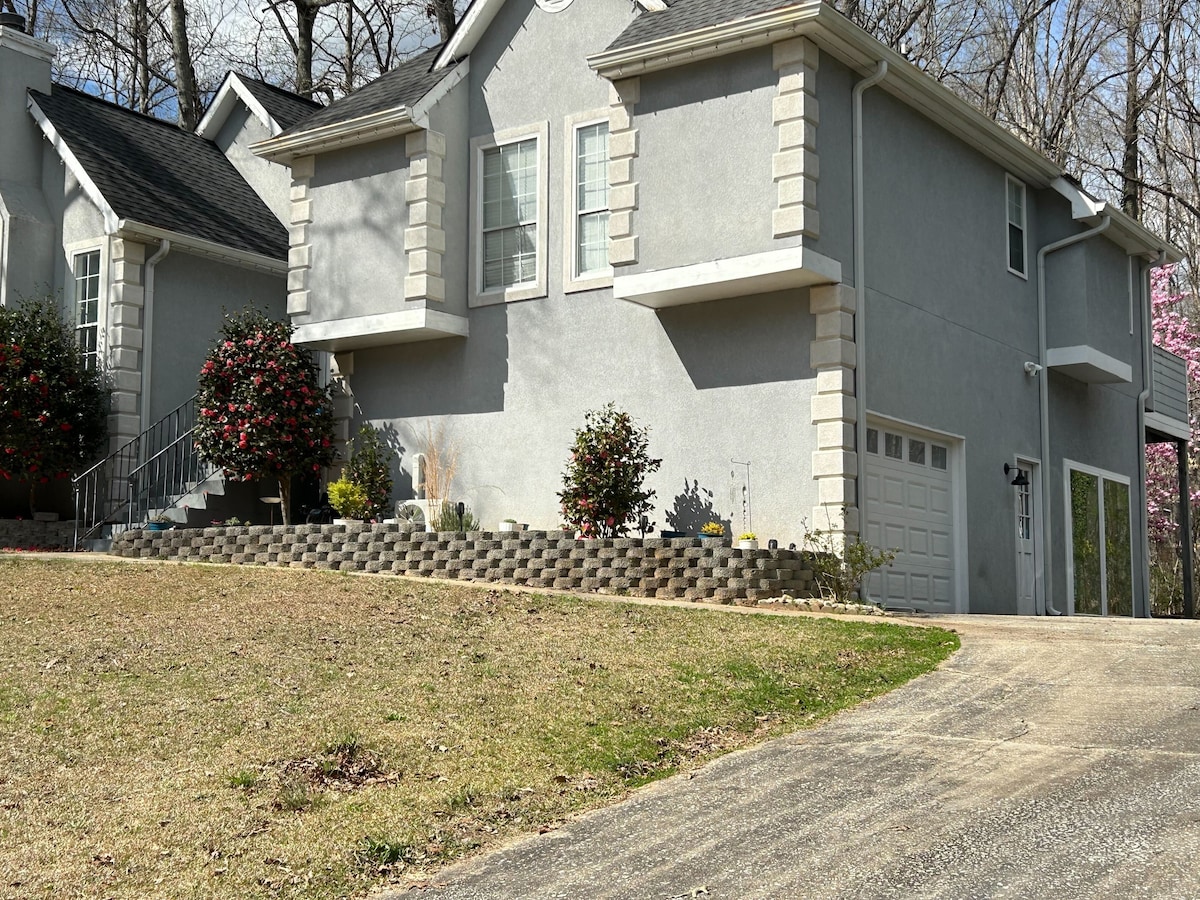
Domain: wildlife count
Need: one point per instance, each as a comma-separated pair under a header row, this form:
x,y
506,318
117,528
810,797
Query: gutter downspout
x,y
1047,607
1147,375
860,297
148,326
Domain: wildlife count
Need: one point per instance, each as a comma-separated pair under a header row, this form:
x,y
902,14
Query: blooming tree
x,y
1173,331
262,410
603,485
53,409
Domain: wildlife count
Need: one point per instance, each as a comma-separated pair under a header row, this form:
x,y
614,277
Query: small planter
x,y
159,526
514,526
345,521
747,545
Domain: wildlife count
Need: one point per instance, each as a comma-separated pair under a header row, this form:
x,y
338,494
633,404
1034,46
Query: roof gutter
x,y
128,228
375,126
1044,601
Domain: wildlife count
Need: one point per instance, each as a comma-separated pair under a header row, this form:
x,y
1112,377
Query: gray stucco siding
x,y
359,217
449,118
715,382
271,181
191,294
706,141
835,186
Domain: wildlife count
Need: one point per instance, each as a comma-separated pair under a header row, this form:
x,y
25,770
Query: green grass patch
x,y
225,732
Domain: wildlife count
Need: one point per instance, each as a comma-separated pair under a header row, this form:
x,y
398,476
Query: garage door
x,y
910,509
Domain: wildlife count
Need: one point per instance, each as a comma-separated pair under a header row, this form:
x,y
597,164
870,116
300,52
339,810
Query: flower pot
x,y
514,526
747,545
158,526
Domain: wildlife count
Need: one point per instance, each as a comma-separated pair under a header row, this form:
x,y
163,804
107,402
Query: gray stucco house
x,y
835,292
145,231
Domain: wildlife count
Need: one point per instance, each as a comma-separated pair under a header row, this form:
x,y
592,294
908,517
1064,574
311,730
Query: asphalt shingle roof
x,y
688,15
403,86
283,106
154,173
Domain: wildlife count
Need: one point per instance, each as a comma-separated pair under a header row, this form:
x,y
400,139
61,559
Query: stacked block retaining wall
x,y
34,534
672,568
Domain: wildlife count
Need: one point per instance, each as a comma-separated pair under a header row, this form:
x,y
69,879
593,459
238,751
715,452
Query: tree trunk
x,y
306,18
185,74
444,9
141,43
1131,133
285,498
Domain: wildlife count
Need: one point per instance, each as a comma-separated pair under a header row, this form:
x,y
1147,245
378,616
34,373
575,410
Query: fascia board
x,y
475,22
1126,231
233,89
836,34
371,127
420,109
134,230
90,190
27,44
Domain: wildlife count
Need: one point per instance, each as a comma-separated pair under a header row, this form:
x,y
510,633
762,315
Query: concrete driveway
x,y
1050,758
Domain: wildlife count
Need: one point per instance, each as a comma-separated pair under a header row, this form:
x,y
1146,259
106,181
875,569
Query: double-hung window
x,y
87,306
510,216
1015,198
585,202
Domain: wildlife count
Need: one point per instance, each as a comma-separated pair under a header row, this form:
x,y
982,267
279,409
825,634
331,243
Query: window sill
x,y
508,295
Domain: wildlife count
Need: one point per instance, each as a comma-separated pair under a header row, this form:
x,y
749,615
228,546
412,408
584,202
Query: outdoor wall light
x,y
1021,480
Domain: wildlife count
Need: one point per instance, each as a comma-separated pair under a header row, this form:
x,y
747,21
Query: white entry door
x,y
1026,522
910,509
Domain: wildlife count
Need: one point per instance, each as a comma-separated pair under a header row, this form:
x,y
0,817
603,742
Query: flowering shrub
x,y
370,467
713,529
53,410
262,412
603,485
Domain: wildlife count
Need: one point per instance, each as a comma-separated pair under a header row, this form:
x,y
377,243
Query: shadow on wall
x,y
403,482
743,340
694,509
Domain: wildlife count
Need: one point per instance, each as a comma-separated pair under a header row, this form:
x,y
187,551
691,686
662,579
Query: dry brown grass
x,y
184,731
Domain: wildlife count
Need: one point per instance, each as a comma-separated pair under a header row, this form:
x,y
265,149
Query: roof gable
x,y
276,108
145,171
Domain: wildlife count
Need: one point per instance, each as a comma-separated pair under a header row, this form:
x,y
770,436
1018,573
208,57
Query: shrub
x,y
603,484
841,564
349,499
370,467
262,410
53,409
447,519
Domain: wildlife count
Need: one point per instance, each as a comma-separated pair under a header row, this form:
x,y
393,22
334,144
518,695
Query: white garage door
x,y
910,509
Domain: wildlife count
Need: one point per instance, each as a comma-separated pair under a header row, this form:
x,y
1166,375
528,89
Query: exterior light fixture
x,y
1020,480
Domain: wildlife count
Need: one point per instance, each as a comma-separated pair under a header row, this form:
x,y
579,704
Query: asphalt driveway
x,y
1049,758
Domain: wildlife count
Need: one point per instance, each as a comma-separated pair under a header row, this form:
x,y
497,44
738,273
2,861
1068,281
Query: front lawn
x,y
186,731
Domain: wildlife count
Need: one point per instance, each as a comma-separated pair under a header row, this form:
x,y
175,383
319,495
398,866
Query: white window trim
x,y
476,295
1070,466
1009,180
73,250
572,282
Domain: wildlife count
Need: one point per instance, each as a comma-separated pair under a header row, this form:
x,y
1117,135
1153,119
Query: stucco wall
x,y
358,226
707,140
190,294
271,181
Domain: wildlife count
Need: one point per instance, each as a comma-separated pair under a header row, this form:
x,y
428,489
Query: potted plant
x,y
513,525
349,499
712,530
161,522
747,540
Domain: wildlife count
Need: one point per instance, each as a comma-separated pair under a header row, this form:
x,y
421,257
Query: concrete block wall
x,y
31,534
670,568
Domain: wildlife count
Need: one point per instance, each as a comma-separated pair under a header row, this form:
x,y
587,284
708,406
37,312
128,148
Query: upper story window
x,y
509,215
585,202
87,306
1016,225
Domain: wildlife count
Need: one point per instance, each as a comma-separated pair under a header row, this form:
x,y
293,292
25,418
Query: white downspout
x,y
860,297
148,327
1044,402
1147,375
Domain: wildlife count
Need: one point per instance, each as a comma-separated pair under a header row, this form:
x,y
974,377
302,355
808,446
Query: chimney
x,y
24,66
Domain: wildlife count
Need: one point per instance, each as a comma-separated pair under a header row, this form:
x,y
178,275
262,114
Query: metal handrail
x,y
165,477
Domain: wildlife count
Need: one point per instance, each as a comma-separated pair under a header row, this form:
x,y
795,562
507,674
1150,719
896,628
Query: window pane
x,y
893,446
916,452
1016,249
938,457
872,440
591,199
1118,562
510,201
1085,541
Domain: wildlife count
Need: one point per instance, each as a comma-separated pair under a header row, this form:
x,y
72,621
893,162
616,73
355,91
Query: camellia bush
x,y
262,412
603,485
53,409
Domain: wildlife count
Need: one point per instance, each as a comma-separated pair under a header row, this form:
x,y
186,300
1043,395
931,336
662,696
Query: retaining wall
x,y
32,534
673,568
